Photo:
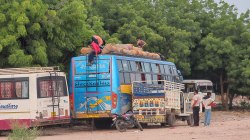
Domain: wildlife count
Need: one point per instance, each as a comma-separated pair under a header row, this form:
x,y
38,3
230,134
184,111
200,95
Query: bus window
x,y
132,77
148,78
155,68
170,70
169,78
58,87
147,67
162,69
22,89
120,65
14,89
174,70
7,91
166,67
158,68
138,77
125,65
138,66
143,78
133,66
189,87
155,78
121,78
127,78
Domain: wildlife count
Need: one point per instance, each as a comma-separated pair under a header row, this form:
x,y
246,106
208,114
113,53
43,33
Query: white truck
x,y
160,102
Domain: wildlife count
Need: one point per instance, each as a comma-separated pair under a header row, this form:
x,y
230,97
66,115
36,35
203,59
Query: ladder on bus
x,y
92,82
55,94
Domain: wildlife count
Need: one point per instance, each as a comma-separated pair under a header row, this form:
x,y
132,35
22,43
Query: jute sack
x,y
157,56
85,50
127,52
107,49
137,49
133,52
140,53
124,46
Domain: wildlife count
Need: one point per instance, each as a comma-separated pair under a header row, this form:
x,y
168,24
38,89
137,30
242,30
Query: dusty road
x,y
225,126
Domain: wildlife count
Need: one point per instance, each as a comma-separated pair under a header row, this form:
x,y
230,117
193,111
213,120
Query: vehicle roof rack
x,y
27,70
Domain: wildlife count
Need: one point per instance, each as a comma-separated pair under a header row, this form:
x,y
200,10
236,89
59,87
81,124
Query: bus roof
x,y
200,82
134,58
27,70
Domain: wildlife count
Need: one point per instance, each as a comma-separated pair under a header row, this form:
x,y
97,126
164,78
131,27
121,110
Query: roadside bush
x,y
22,132
245,105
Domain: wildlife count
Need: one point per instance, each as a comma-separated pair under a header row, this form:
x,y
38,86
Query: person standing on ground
x,y
207,103
96,43
196,107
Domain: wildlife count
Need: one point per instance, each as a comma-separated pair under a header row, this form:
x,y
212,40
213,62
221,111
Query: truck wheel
x,y
171,119
190,119
163,124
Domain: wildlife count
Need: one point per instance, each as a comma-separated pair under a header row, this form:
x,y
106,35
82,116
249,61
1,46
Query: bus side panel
x,y
71,88
115,87
14,111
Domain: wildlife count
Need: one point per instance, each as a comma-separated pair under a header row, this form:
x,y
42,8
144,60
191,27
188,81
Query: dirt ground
x,y
224,126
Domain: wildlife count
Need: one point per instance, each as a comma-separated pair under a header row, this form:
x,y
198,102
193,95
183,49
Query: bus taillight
x,y
114,99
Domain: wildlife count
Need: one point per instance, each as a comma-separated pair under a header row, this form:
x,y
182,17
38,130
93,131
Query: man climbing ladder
x,y
96,43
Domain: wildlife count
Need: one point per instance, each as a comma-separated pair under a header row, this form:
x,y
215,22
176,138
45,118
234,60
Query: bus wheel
x,y
163,124
190,119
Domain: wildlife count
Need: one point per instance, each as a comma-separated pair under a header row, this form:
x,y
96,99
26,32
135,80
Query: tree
x,y
39,33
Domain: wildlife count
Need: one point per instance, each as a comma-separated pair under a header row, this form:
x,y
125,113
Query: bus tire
x,y
190,120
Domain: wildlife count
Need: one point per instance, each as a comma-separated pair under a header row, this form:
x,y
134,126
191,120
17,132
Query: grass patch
x,y
22,132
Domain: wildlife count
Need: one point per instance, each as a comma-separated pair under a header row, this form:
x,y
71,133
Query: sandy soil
x,y
224,126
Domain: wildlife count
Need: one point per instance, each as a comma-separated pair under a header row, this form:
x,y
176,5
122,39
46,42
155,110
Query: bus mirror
x,y
181,78
179,72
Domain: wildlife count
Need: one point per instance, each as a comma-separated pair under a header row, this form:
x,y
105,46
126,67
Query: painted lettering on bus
x,y
80,84
8,106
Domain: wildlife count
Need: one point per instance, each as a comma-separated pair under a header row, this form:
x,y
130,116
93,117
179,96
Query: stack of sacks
x,y
86,50
126,49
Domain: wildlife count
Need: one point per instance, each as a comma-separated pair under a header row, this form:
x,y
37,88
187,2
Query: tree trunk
x,y
226,100
231,97
222,90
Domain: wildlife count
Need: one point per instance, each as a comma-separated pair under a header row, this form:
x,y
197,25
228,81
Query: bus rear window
x,y
14,89
54,86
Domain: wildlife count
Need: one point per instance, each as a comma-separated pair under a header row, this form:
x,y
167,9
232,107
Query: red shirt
x,y
95,47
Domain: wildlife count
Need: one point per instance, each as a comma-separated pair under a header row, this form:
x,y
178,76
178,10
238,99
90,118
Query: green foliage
x,y
21,132
203,38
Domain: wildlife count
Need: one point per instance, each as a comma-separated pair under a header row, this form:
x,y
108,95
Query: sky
x,y
241,5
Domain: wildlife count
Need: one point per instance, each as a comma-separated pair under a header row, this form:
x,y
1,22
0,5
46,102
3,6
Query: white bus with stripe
x,y
34,96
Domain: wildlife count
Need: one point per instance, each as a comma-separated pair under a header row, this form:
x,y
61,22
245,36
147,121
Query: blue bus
x,y
104,88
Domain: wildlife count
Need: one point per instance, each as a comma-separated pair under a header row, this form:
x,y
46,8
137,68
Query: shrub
x,y
22,132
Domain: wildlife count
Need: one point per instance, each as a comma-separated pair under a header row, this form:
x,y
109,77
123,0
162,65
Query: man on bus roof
x,y
96,43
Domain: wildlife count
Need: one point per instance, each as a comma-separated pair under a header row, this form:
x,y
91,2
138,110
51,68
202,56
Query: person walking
x,y
196,107
208,109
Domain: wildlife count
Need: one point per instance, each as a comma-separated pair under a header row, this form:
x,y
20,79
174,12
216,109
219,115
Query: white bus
x,y
34,96
203,86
